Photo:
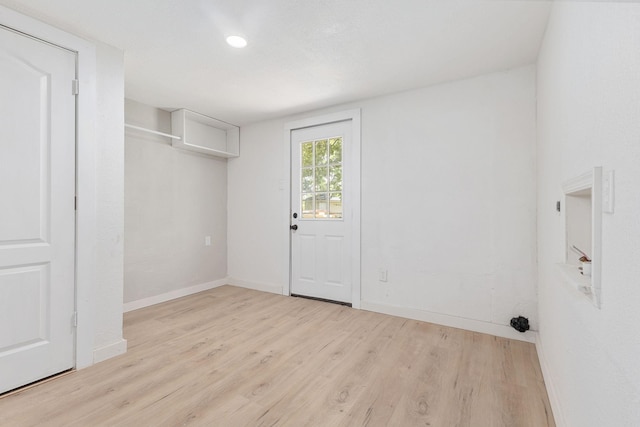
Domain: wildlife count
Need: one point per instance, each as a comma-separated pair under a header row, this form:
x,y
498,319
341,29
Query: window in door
x,y
321,179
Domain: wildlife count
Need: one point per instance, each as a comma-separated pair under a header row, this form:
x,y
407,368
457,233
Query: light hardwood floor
x,y
237,357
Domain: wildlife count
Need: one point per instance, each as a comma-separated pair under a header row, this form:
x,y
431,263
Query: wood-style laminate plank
x,y
237,357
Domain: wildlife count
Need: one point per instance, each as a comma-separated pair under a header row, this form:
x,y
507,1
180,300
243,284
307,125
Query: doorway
x,y
37,219
324,208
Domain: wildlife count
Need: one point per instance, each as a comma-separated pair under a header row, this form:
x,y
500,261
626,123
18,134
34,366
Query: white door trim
x,y
85,170
354,117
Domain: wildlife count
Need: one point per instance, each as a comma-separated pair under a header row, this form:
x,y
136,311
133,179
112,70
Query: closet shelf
x,y
205,134
199,133
155,132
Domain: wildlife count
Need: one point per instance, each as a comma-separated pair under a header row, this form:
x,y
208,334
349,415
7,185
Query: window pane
x,y
322,152
307,206
335,178
322,206
335,150
307,153
335,205
322,180
307,180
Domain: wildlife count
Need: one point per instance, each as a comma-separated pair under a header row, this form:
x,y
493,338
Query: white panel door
x,y
321,211
37,214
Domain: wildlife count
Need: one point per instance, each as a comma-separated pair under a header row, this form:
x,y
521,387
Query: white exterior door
x,y
322,196
37,214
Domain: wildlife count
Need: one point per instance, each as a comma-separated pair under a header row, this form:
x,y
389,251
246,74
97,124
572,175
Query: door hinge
x,y
75,319
75,87
75,203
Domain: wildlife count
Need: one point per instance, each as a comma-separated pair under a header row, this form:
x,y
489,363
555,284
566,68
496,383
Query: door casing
x,y
354,117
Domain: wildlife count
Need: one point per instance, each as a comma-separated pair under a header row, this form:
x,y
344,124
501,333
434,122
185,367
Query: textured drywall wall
x,y
173,199
448,199
589,115
109,196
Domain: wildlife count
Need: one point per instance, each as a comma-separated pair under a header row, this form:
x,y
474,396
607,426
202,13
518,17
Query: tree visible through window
x,y
321,178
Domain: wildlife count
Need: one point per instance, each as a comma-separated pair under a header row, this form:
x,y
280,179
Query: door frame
x,y
85,171
289,127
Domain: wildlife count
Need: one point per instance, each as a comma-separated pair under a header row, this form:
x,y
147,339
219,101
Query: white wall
x,y
589,115
109,202
448,202
173,199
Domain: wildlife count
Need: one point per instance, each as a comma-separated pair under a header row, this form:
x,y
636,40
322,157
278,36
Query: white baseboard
x,y
452,321
552,391
157,299
112,350
264,287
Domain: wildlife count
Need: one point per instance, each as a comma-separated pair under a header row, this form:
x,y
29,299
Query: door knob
x,y
294,227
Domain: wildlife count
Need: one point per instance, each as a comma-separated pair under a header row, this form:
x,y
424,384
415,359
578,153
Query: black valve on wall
x,y
520,324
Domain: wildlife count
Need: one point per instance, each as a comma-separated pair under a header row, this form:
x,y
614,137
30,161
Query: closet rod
x,y
155,132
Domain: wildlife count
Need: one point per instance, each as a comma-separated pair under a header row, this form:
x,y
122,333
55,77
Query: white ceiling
x,y
302,54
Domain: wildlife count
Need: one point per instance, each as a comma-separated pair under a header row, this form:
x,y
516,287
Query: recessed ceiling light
x,y
237,41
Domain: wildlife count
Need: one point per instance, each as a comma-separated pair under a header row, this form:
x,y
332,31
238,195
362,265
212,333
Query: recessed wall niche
x,y
583,233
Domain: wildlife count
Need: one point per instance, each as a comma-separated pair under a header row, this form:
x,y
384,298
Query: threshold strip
x,y
346,304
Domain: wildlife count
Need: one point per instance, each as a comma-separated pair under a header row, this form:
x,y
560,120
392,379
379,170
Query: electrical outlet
x,y
207,240
382,275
